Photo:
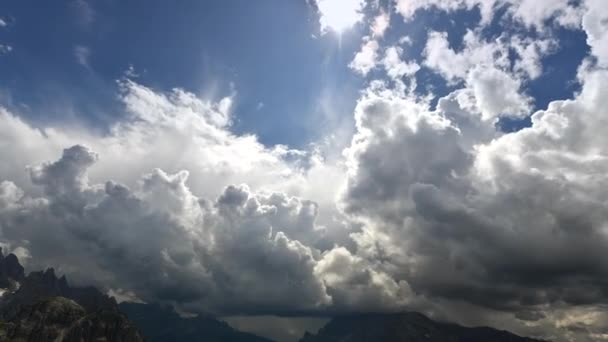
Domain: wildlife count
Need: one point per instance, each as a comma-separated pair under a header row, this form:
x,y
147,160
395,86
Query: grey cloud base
x,y
164,243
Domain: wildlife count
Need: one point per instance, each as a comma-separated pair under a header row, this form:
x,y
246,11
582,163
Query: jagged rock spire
x,y
11,270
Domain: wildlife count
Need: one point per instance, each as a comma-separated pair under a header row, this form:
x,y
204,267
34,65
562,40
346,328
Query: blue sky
x,y
290,80
269,52
447,157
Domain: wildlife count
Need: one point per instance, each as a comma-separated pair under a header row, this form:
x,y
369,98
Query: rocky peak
x,y
61,319
40,285
45,308
11,270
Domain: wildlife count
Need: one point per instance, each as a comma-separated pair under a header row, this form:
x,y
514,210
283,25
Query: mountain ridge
x,y
405,327
40,307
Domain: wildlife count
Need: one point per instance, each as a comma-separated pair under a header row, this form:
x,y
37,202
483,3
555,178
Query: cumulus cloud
x,y
380,24
506,222
239,253
173,131
431,208
395,67
484,227
162,237
531,13
366,59
492,80
596,27
182,249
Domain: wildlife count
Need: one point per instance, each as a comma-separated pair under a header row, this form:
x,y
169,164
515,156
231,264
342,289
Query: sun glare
x,y
340,15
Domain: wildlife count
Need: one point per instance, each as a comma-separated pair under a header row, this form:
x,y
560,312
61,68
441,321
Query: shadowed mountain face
x,y
163,324
62,319
10,271
40,307
405,327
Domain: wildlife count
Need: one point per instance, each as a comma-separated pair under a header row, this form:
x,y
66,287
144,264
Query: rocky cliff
x,y
41,307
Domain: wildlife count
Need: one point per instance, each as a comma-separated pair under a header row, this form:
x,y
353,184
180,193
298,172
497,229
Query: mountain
x,y
404,327
40,307
163,324
62,319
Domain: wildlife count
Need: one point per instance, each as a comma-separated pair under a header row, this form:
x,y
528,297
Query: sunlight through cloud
x,y
340,15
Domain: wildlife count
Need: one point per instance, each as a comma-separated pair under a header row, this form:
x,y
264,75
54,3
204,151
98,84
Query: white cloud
x,y
595,24
455,208
497,93
366,59
355,283
455,66
407,8
405,40
395,67
147,226
380,24
532,13
486,70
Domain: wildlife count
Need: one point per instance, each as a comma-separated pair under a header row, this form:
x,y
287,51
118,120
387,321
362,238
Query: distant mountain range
x,y
160,324
405,327
41,307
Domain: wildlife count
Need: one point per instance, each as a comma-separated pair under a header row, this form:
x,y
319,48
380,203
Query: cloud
x,y
407,8
496,93
82,55
455,66
241,253
595,25
380,24
531,13
191,249
429,208
447,207
353,284
492,81
84,13
4,49
486,227
366,59
259,248
395,67
485,218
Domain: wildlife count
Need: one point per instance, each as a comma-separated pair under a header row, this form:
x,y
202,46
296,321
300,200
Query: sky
x,y
275,162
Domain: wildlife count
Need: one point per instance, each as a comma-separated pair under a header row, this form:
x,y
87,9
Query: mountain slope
x,y
62,319
404,327
163,324
40,307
